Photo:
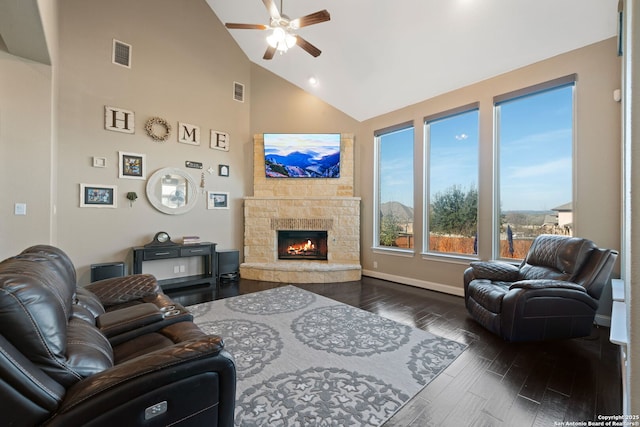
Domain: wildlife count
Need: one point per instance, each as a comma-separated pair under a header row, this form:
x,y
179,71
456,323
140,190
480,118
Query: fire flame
x,y
302,247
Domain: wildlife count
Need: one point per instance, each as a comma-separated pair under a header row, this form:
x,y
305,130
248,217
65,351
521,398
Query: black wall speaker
x,y
228,264
107,270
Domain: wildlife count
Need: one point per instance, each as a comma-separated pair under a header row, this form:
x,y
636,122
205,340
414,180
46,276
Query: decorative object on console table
x,y
161,238
206,250
190,240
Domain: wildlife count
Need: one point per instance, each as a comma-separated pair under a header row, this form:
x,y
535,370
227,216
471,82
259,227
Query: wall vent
x,y
121,53
238,91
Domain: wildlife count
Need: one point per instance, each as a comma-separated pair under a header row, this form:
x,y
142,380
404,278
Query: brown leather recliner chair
x,y
61,366
553,294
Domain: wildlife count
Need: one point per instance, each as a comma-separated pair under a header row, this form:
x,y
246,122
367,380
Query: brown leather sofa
x,y
117,352
553,294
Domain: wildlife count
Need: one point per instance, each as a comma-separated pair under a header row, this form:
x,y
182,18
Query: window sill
x,y
394,251
450,258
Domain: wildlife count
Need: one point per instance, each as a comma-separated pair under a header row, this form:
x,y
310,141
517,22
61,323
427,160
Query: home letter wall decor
x,y
188,134
119,120
219,140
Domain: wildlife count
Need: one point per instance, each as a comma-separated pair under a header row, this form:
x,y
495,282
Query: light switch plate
x,y
20,209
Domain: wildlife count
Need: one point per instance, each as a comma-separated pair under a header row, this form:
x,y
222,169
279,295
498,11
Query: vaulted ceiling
x,y
378,56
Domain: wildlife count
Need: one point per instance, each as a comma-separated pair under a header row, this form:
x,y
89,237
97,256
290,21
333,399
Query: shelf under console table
x,y
205,250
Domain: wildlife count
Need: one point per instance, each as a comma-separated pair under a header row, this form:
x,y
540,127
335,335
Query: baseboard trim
x,y
432,286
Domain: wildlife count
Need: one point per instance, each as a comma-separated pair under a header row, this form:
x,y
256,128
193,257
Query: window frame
x,y
463,109
377,135
564,81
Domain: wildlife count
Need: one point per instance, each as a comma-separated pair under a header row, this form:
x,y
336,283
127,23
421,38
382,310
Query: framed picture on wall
x,y
217,200
98,196
131,165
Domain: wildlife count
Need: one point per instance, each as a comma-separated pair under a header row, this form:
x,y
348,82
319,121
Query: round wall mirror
x,y
172,191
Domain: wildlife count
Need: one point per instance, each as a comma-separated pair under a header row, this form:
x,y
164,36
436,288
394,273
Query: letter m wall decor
x,y
119,120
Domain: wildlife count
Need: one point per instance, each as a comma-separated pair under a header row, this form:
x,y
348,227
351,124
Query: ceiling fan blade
x,y
273,10
314,18
245,26
311,49
269,53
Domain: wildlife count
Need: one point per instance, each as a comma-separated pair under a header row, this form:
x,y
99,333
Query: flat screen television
x,y
302,155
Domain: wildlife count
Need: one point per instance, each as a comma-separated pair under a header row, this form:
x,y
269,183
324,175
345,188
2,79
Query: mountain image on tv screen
x,y
302,155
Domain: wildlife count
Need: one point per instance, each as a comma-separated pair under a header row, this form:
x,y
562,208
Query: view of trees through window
x,y
452,143
395,188
535,146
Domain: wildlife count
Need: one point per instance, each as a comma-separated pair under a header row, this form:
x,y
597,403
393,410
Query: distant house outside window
x,y
451,140
394,187
534,146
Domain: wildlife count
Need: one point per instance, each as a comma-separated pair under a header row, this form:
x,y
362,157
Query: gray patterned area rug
x,y
306,360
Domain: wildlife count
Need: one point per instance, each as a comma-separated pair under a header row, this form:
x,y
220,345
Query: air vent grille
x,y
121,53
238,91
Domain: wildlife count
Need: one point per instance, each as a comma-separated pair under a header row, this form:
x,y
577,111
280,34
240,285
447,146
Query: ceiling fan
x,y
283,36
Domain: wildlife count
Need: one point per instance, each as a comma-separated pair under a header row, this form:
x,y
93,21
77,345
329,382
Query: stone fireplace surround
x,y
302,204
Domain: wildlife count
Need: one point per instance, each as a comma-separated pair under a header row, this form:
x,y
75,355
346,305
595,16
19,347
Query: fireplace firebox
x,y
302,244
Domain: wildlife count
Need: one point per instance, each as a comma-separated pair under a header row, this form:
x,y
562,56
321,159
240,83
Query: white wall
x,y
25,152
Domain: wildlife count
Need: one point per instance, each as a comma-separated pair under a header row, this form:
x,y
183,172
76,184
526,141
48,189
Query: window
x,y
452,159
534,146
394,187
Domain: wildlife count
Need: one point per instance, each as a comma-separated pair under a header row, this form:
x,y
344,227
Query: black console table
x,y
205,250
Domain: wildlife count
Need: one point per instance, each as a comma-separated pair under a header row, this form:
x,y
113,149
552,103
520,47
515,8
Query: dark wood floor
x,y
493,383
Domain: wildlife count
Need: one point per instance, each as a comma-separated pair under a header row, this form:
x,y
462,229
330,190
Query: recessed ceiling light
x,y
313,81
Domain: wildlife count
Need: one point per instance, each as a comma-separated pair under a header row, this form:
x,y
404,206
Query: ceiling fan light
x,y
290,41
272,40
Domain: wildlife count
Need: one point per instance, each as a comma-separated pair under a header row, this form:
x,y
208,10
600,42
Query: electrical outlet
x,y
182,269
375,264
176,269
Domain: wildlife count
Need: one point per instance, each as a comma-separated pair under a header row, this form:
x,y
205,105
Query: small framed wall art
x,y
223,170
98,196
217,200
131,165
99,162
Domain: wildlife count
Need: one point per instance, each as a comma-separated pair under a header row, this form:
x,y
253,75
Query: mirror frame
x,y
154,181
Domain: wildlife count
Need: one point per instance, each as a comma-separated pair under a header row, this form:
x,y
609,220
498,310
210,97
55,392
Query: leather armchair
x,y
553,294
61,366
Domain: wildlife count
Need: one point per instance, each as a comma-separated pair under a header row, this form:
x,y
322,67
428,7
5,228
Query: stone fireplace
x,y
323,211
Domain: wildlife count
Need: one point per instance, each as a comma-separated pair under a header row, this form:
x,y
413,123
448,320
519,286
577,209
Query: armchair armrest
x,y
134,369
118,290
193,380
546,284
495,270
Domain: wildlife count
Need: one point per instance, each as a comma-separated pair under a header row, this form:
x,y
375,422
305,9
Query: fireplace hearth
x,y
302,245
